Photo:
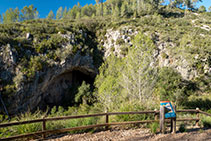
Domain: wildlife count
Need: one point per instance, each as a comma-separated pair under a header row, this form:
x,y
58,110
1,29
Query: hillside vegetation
x,y
125,62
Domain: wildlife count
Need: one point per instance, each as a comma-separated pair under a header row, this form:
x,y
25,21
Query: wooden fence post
x,y
162,119
174,125
156,114
43,127
197,115
107,119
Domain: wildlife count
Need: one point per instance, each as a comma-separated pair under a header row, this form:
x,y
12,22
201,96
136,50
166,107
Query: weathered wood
x,y
107,121
207,114
183,119
162,119
52,131
43,127
187,110
20,123
197,115
99,125
71,117
131,122
156,114
174,120
72,129
75,117
125,113
171,125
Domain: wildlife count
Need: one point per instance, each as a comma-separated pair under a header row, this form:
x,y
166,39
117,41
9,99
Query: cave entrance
x,y
64,88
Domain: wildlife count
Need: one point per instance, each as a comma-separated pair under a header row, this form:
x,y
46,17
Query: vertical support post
x,y
156,115
174,125
197,115
162,119
171,125
107,119
43,127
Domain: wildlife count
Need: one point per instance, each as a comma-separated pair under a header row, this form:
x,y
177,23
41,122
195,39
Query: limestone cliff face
x,y
42,81
166,55
54,86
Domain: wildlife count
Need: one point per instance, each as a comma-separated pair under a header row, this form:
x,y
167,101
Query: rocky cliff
x,y
42,61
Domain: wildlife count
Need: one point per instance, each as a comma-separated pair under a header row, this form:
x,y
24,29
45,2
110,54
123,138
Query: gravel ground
x,y
135,135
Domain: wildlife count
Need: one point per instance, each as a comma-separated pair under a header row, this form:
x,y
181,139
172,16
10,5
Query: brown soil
x,y
136,135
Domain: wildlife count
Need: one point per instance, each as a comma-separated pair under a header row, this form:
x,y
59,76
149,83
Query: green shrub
x,y
206,121
182,128
154,127
120,41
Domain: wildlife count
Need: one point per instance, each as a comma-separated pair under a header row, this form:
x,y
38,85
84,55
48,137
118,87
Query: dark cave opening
x,y
64,88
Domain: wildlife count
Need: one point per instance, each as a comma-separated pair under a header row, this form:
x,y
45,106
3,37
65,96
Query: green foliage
x,y
171,86
206,121
59,13
29,13
182,128
202,9
51,44
107,84
11,15
84,94
50,15
154,127
120,41
130,79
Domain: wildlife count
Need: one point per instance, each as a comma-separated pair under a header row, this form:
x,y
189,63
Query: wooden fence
x,y
106,124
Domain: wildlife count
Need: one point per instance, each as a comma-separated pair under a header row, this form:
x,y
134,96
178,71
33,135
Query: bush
x,y
154,127
182,128
206,121
171,86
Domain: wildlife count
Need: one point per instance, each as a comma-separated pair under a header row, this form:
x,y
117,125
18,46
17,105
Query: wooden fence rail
x,y
107,124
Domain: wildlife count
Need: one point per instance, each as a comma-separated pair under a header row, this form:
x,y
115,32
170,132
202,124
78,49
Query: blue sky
x,y
44,6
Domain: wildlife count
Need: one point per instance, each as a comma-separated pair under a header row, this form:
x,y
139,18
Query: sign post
x,y
169,112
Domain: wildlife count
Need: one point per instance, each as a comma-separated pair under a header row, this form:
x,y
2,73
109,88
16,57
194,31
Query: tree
x,y
65,14
11,15
51,15
116,11
59,13
124,9
107,83
209,9
84,94
29,13
0,18
202,9
139,75
188,4
97,1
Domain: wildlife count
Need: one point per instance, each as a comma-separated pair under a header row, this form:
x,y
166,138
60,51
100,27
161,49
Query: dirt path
x,y
136,135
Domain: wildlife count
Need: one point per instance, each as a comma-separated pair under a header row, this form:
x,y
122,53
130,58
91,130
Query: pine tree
x,y
11,15
65,14
116,11
202,9
29,13
124,9
139,77
59,13
51,15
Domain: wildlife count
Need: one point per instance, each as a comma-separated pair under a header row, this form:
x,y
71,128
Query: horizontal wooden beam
x,y
130,113
20,123
187,110
73,129
205,113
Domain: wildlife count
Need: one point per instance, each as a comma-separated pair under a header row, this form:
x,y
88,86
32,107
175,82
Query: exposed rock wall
x,y
53,89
